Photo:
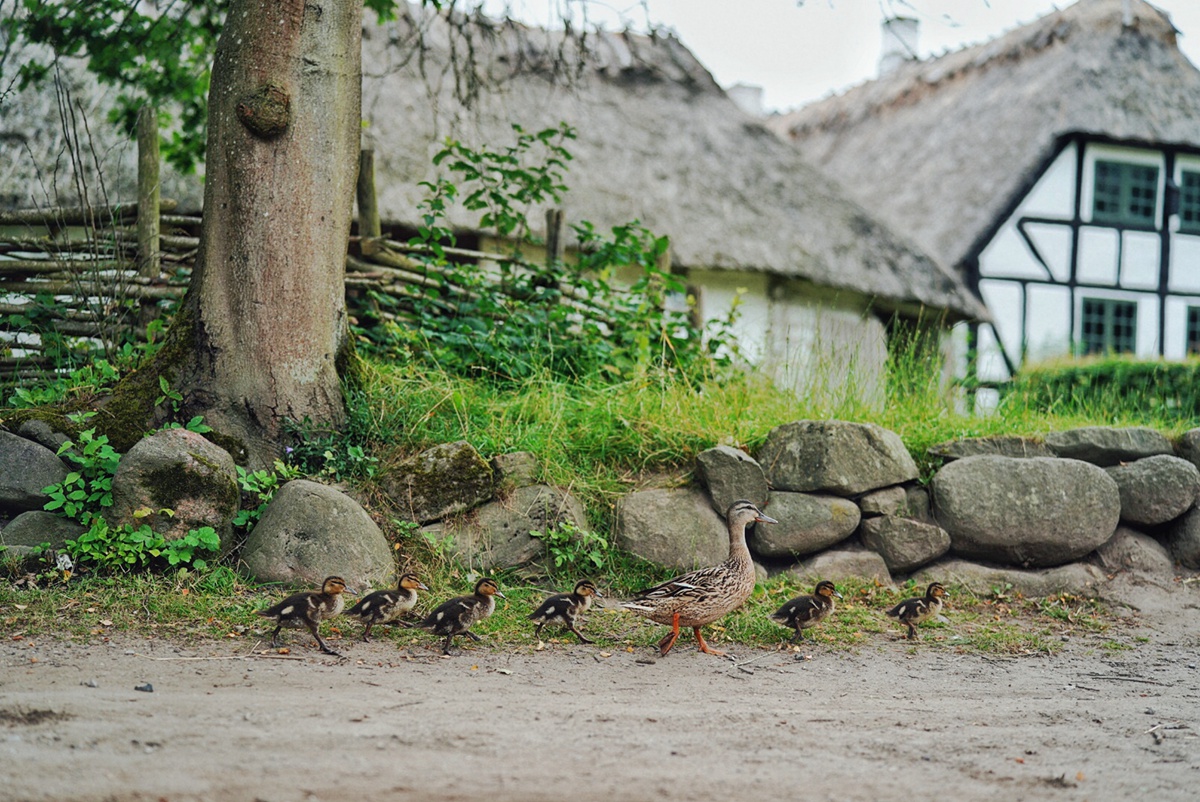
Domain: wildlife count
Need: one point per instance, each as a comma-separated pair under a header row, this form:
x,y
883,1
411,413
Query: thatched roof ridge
x,y
657,141
940,148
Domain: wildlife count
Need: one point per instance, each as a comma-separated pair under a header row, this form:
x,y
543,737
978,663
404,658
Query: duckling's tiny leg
x,y
275,637
579,635
321,641
537,633
704,647
799,636
473,636
668,641
912,631
367,632
446,645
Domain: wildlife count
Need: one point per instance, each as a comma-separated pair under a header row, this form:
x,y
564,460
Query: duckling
x,y
702,596
565,608
386,606
919,609
455,617
308,609
803,612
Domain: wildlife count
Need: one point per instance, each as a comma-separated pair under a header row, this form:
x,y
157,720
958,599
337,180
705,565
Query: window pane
x,y
1108,326
1193,330
1125,194
1189,201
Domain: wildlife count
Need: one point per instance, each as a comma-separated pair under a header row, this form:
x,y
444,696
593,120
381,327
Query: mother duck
x,y
706,594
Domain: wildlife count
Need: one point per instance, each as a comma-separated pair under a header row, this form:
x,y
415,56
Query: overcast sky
x,y
799,53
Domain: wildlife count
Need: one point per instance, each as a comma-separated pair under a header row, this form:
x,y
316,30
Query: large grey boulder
x,y
1130,550
1104,445
35,527
904,544
444,480
1156,489
1183,539
845,459
1189,446
1035,512
840,564
884,501
729,475
1078,579
1001,446
808,523
675,527
25,469
310,531
175,480
43,434
515,469
497,535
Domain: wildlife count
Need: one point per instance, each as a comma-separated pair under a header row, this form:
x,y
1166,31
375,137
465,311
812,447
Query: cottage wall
x,y
1050,258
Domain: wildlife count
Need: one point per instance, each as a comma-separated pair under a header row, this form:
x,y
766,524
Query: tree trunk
x,y
264,319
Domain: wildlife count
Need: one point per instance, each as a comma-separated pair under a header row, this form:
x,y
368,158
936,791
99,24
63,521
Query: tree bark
x,y
264,318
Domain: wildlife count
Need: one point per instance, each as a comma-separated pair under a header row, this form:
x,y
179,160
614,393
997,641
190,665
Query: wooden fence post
x,y
554,237
370,228
148,193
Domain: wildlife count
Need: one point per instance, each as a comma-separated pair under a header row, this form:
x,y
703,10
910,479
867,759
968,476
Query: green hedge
x,y
1112,384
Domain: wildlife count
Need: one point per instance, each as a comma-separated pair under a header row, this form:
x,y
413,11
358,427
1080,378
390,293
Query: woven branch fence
x,y
80,282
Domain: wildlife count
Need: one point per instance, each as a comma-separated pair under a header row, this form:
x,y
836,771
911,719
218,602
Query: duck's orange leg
x,y
668,641
704,646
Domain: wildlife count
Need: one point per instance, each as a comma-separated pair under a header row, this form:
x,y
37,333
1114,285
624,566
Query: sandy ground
x,y
889,721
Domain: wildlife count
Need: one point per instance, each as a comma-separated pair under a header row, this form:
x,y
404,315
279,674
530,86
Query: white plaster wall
x,y
1185,263
1175,327
1049,333
1054,244
1099,249
716,293
1054,193
1140,258
1007,255
1004,299
990,365
827,354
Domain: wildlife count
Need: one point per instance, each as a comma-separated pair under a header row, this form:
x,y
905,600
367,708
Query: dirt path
x,y
887,722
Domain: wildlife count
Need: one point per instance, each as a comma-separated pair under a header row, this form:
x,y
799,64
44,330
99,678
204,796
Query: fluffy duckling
x,y
308,609
386,606
919,609
702,596
803,612
564,608
455,617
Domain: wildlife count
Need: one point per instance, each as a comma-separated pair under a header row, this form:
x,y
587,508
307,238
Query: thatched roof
x,y
657,141
939,149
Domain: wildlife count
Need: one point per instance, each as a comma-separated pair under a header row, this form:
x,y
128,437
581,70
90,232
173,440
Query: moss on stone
x,y
168,486
54,417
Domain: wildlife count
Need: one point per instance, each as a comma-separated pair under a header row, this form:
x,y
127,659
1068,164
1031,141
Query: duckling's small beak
x,y
840,596
421,585
501,595
765,519
351,591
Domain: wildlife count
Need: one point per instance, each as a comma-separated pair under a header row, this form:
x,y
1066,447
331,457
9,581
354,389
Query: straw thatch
x,y
657,141
941,149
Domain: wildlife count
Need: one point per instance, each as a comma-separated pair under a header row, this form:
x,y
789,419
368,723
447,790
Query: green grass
x,y
602,439
199,608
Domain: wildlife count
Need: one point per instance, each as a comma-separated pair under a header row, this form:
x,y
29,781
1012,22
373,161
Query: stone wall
x,y
1049,516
